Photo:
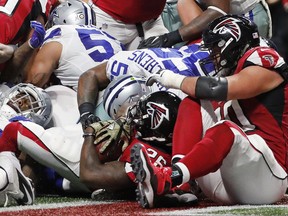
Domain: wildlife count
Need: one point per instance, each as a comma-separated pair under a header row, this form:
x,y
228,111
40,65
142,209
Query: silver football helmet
x,y
29,101
72,12
122,93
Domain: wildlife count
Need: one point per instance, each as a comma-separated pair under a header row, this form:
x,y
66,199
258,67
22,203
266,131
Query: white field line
x,y
52,205
191,211
204,211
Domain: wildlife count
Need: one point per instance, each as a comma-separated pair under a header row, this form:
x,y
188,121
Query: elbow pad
x,y
211,88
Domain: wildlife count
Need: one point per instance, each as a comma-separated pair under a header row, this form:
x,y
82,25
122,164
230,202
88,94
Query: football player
x,y
237,151
130,21
60,148
73,45
143,62
15,16
23,102
257,11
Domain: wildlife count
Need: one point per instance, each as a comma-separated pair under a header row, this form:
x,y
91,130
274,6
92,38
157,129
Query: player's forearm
x,y
188,10
95,175
6,52
194,29
16,65
87,88
89,159
38,79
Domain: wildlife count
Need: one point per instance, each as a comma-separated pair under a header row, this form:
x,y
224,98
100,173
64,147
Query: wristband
x,y
88,135
86,107
172,80
30,44
174,37
218,10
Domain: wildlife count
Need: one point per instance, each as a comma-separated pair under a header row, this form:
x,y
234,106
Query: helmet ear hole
x,y
72,12
233,35
28,101
158,116
123,93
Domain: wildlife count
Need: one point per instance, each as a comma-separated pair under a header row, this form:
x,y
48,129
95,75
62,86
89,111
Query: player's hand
x,y
88,118
166,40
155,77
166,78
38,35
116,133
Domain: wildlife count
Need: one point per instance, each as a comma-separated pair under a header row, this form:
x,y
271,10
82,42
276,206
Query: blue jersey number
x,y
101,49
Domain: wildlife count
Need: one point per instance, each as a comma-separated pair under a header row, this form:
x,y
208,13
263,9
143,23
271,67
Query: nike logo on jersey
x,y
27,189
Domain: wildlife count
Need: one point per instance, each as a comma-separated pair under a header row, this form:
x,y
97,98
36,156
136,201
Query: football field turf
x,y
55,205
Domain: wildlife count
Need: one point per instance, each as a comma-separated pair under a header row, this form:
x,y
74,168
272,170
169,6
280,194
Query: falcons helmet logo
x,y
229,25
157,112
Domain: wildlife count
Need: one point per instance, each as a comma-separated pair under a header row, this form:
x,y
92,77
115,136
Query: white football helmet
x,y
122,93
26,100
72,12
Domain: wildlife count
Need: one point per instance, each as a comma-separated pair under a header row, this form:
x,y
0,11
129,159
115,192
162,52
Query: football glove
x,y
166,40
37,37
167,78
112,132
88,118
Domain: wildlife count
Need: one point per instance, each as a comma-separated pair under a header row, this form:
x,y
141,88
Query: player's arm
x,y
15,67
194,29
89,85
91,82
188,10
96,175
6,52
249,82
45,62
22,58
191,31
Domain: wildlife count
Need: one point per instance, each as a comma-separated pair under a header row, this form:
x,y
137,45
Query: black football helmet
x,y
227,38
154,116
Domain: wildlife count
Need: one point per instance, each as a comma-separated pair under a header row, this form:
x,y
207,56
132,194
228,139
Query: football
x,y
111,153
111,140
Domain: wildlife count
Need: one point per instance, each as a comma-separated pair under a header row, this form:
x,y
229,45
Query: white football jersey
x,y
83,47
144,62
242,6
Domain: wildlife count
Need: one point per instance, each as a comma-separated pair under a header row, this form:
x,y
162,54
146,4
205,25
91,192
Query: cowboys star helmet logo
x,y
157,112
229,25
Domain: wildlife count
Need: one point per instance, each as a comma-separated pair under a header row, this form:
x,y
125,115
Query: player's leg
x,y
13,183
55,148
193,119
250,172
260,14
154,28
125,33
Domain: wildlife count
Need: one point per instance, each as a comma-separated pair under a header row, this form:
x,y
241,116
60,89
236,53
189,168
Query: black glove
x,y
86,114
166,40
86,119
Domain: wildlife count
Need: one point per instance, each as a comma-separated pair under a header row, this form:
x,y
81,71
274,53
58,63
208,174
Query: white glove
x,y
167,78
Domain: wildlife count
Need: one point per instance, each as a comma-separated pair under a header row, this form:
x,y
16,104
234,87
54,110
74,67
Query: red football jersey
x,y
265,114
15,16
158,157
131,11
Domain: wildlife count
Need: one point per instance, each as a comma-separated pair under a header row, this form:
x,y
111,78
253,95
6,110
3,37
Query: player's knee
x,y
8,141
